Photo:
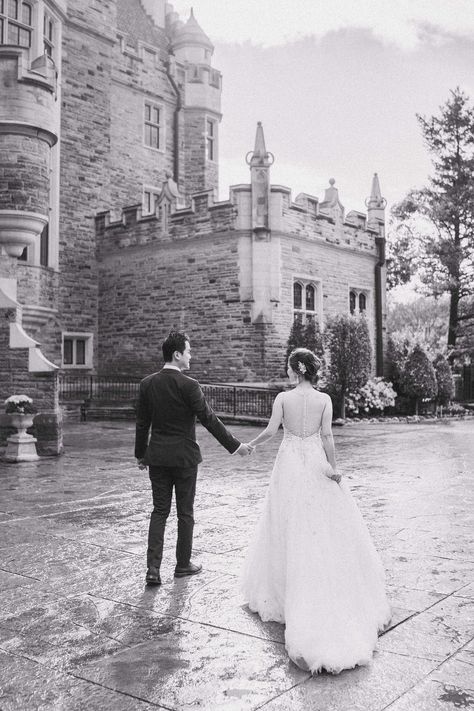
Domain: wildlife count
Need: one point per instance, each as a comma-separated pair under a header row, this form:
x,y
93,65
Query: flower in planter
x,y
21,404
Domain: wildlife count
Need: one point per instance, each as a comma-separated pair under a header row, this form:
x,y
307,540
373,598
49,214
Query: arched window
x,y
310,300
16,22
305,300
362,302
352,302
297,295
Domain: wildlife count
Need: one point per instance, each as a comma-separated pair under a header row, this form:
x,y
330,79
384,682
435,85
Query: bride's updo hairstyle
x,y
305,363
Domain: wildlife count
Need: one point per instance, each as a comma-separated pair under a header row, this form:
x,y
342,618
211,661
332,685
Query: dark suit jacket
x,y
170,402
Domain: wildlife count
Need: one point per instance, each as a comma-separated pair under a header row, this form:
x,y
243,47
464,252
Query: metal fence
x,y
98,387
235,400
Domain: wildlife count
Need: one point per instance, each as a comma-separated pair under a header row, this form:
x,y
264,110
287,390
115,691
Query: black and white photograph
x,y
236,355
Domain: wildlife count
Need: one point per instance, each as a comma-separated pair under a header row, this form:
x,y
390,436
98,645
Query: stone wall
x,y
199,173
230,289
24,173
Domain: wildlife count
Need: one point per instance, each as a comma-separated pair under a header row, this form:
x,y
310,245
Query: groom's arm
x,y
142,424
207,417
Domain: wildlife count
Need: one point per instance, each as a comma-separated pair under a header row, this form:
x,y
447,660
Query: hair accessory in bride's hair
x,y
301,367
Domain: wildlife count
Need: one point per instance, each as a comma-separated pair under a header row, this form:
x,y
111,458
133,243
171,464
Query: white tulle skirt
x,y
312,564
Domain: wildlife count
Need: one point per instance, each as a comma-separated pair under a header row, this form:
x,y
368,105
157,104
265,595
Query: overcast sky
x,y
336,85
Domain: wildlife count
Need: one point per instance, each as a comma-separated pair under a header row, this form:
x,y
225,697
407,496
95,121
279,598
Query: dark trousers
x,y
163,479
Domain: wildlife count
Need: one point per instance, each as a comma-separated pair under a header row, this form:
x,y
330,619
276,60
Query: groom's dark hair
x,y
175,341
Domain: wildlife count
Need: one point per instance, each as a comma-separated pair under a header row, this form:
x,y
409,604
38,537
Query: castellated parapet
x,y
226,274
302,218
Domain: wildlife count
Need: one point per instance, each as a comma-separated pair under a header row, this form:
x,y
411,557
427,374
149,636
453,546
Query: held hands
x,y
245,450
141,464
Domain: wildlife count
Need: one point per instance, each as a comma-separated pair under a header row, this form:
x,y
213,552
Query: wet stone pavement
x,y
79,629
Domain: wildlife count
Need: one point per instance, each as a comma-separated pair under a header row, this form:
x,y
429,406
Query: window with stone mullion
x,y
16,23
304,301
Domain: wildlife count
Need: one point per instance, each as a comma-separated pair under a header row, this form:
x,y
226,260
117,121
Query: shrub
x,y
418,377
349,350
444,379
373,397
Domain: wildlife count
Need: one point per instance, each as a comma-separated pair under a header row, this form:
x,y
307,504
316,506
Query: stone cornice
x,y
27,129
91,32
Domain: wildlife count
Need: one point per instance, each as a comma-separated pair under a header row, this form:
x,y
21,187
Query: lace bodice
x,y
304,412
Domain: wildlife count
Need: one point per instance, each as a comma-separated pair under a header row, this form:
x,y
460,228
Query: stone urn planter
x,y
21,446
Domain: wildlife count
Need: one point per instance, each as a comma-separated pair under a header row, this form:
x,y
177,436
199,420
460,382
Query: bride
x,y
312,564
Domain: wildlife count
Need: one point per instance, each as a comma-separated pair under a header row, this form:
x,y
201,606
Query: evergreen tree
x,y
350,353
444,379
434,233
295,340
313,338
419,378
395,359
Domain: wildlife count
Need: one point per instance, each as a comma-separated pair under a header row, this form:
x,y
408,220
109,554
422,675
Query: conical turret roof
x,y
191,33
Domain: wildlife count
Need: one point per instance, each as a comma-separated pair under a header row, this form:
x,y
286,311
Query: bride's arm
x,y
326,433
273,424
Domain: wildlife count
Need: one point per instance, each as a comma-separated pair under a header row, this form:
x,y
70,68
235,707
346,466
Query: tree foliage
x,y
313,338
350,354
395,359
433,227
419,378
423,320
444,380
296,339
308,336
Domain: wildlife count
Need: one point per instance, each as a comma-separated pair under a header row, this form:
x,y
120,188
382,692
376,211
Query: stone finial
x,y
259,157
331,198
376,200
375,203
260,161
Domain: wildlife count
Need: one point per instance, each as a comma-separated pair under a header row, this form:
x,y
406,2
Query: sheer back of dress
x,y
303,411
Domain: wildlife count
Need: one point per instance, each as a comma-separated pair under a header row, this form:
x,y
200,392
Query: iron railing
x,y
235,400
122,388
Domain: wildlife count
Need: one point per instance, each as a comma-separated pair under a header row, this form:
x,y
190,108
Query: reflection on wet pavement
x,y
79,630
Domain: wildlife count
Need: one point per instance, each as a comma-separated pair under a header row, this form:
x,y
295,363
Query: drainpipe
x,y
380,242
179,105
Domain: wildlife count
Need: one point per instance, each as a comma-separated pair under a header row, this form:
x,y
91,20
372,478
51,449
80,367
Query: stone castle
x,y
110,231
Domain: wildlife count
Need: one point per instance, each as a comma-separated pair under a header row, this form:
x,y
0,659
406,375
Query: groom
x,y
169,402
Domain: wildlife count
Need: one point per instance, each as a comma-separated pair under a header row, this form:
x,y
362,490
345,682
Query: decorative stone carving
x,y
19,229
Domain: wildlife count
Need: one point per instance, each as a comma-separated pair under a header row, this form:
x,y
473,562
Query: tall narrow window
x,y
362,303
16,22
48,34
310,297
211,139
153,126
352,302
297,295
44,246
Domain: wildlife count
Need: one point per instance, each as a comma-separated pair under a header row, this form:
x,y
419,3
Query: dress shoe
x,y
190,569
153,576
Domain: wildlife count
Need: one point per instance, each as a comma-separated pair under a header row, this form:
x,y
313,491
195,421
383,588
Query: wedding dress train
x,y
312,564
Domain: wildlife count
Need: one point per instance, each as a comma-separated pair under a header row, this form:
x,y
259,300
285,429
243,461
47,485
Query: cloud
x,y
277,22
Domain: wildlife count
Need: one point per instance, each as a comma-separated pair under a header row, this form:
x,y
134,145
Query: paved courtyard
x,y
79,630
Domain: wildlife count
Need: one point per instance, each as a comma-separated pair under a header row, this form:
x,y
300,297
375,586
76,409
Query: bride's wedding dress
x,y
312,564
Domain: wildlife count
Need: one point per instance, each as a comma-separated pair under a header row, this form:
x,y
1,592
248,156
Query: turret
x,y
201,104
